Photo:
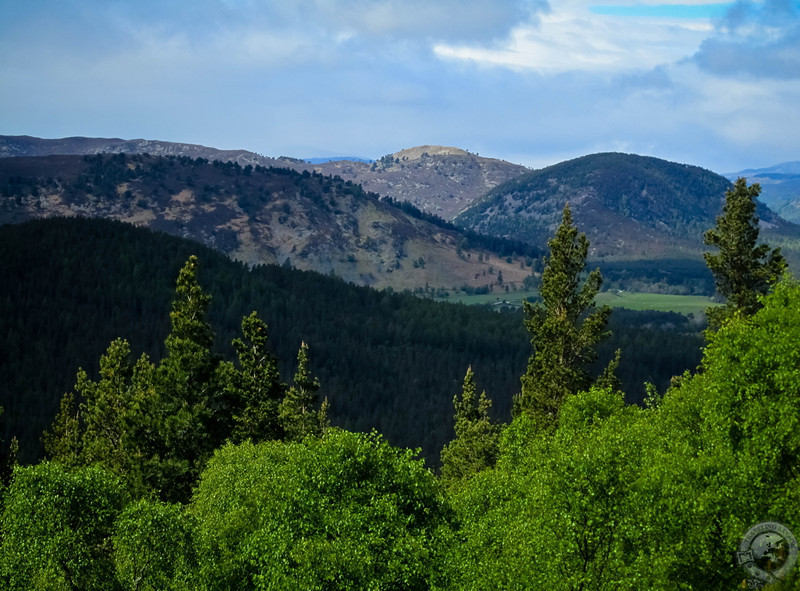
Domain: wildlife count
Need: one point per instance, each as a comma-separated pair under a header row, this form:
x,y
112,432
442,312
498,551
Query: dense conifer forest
x,y
387,361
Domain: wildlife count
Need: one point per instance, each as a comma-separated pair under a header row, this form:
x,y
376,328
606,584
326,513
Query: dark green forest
x,y
386,361
211,469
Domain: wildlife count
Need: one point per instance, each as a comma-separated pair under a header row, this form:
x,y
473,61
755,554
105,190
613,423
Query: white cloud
x,y
571,38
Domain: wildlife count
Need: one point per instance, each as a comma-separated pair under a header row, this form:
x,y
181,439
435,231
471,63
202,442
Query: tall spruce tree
x,y
743,270
191,381
477,439
564,327
64,442
255,386
297,412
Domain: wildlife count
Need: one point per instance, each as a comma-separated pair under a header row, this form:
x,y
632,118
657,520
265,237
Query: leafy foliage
x,y
343,512
609,497
154,547
57,527
618,497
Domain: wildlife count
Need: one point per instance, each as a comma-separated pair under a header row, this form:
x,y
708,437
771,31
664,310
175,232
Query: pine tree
x,y
743,270
190,380
564,328
190,339
64,442
255,387
106,406
297,413
110,426
476,443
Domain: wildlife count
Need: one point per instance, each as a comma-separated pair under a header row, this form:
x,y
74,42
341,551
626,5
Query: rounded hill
x,y
627,204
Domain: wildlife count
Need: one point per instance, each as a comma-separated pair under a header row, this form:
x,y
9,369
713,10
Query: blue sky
x,y
530,81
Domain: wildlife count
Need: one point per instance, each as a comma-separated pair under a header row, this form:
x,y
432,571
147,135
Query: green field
x,y
684,304
514,298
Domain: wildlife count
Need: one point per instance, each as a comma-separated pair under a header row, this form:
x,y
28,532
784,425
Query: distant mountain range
x,y
333,217
436,179
780,187
24,145
324,159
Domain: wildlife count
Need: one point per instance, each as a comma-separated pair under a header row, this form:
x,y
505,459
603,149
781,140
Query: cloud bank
x,y
708,83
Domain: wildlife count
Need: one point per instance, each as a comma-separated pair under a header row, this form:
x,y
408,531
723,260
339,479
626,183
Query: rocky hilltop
x,y
436,179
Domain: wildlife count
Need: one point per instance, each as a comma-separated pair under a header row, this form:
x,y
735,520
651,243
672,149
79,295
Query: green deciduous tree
x,y
154,547
297,413
558,511
346,511
57,526
619,497
475,446
564,328
743,269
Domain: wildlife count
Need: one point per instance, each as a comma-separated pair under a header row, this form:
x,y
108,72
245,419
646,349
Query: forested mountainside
x,y
260,215
436,179
389,361
187,470
628,205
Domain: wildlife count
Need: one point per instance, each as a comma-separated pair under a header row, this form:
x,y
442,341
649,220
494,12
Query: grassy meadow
x,y
683,304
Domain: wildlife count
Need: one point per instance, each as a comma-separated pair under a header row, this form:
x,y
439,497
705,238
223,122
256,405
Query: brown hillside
x,y
256,215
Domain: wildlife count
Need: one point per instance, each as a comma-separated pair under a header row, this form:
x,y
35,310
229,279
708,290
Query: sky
x,y
534,82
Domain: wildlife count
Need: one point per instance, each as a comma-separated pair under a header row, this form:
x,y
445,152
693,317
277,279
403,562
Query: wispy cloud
x,y
578,36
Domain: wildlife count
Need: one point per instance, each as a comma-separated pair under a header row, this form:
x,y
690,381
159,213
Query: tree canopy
x,y
346,511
